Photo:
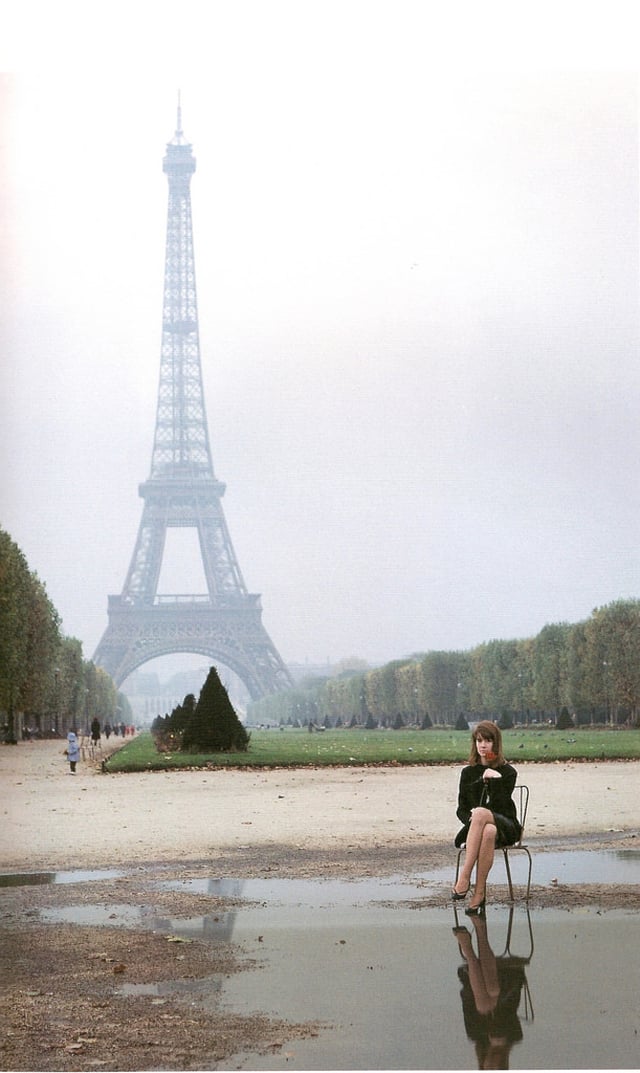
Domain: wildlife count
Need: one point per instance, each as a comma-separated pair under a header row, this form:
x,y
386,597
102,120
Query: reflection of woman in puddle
x,y
490,995
487,811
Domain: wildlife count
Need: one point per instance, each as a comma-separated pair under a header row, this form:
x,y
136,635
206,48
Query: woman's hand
x,y
491,774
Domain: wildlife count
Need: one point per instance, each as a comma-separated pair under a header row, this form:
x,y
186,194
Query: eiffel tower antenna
x,y
182,491
178,133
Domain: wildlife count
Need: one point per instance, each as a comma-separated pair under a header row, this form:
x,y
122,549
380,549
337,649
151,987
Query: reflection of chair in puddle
x,y
493,988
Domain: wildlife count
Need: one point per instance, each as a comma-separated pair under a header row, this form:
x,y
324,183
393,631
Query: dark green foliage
x,y
371,723
505,722
213,726
180,716
565,722
45,685
461,722
426,722
398,722
592,668
168,730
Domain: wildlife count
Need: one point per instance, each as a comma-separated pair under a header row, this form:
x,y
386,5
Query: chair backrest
x,y
521,799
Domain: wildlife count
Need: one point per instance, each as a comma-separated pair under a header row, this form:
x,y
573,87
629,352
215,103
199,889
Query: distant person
x,y
72,751
95,731
487,811
107,730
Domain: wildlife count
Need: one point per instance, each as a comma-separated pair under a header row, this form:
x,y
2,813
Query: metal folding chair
x,y
521,800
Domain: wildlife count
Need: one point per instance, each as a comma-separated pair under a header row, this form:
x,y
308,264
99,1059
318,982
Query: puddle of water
x,y
398,992
392,985
218,926
313,893
581,866
571,867
27,879
576,867
99,916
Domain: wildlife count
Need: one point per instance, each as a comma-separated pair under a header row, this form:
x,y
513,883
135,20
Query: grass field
x,y
299,748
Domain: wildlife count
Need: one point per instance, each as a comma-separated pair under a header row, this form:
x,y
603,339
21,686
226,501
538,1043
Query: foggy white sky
x,y
416,234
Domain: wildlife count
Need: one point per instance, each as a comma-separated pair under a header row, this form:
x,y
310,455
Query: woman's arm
x,y
468,792
500,790
509,776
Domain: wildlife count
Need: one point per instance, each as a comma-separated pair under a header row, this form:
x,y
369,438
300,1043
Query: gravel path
x,y
53,820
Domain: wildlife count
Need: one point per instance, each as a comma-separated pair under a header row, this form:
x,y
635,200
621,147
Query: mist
x,y
416,238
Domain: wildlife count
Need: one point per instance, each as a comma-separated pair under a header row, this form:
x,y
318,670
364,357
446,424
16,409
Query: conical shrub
x,y
214,726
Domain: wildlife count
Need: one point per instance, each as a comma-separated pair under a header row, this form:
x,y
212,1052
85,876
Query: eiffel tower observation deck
x,y
225,623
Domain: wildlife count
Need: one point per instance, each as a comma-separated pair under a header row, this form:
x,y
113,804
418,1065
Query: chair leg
x,y
530,867
508,868
507,948
505,851
457,867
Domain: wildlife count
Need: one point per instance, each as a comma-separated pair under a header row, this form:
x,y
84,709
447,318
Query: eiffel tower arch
x,y
225,623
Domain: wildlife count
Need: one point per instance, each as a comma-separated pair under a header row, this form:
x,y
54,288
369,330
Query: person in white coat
x,y
72,751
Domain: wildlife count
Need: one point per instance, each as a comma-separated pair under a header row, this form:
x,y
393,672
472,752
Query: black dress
x,y
503,1022
494,794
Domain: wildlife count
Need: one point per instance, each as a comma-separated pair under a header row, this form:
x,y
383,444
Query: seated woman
x,y
487,811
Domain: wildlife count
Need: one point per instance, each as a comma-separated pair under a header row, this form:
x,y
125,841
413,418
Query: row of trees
x,y
46,686
592,668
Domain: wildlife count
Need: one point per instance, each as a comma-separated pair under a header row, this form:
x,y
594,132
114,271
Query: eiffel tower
x,y
224,624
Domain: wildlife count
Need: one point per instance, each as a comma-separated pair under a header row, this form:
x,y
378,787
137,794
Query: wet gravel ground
x,y
74,993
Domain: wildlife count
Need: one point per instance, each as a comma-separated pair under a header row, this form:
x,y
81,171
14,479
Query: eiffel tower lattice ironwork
x,y
182,491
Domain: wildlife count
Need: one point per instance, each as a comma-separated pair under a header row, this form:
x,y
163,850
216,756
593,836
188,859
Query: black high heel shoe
x,y
460,897
476,910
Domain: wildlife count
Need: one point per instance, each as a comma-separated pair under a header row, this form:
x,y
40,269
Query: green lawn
x,y
299,748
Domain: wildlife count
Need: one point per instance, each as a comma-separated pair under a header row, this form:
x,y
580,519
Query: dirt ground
x,y
62,1003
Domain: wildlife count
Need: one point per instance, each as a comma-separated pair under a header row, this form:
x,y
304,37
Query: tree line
x,y
46,686
591,669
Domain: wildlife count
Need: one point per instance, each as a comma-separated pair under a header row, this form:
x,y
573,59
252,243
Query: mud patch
x,y
66,1002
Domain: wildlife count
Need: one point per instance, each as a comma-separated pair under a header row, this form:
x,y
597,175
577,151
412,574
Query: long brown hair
x,y
488,730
